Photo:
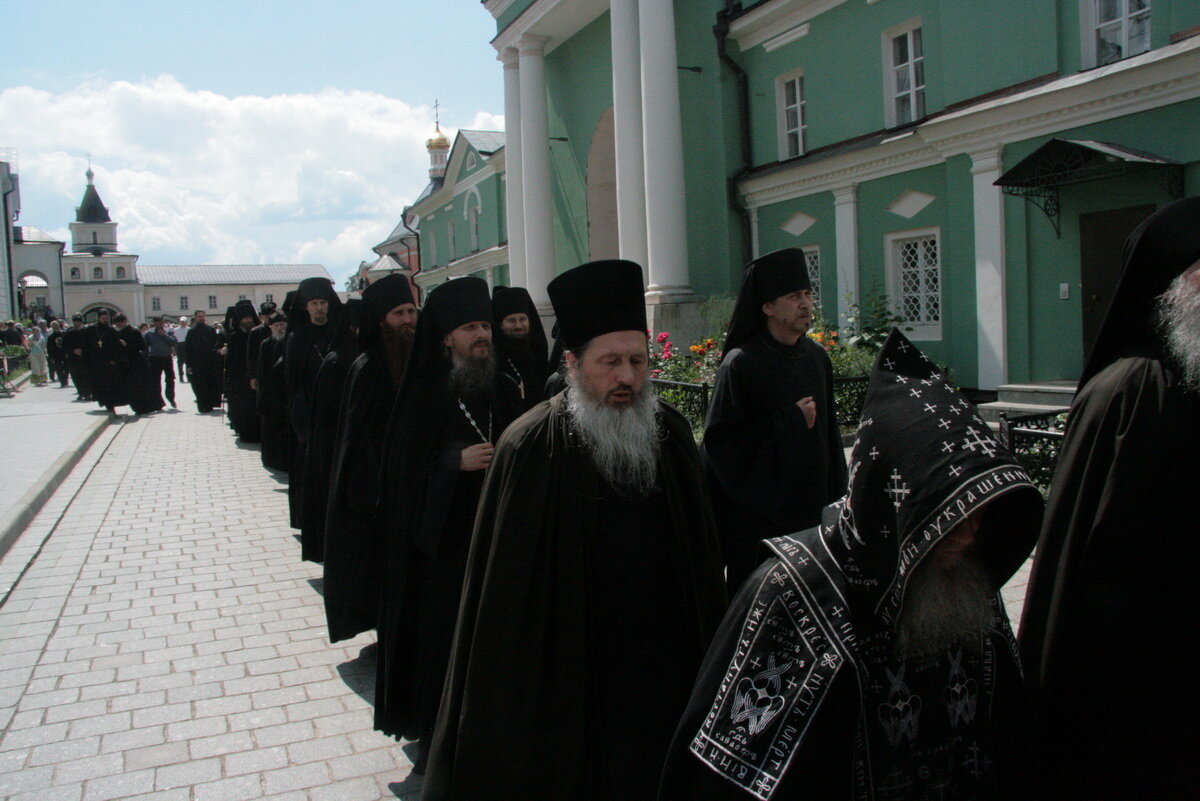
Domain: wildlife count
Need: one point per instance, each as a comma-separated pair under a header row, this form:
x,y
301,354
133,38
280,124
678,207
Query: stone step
x,y
1044,393
991,411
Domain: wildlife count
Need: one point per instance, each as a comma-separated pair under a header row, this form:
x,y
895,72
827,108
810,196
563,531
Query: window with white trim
x,y
155,304
915,280
453,245
904,73
473,224
183,302
1113,30
97,273
75,274
120,272
792,115
269,298
212,301
812,264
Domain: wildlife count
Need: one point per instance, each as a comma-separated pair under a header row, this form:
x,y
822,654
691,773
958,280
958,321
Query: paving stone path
x,y
161,638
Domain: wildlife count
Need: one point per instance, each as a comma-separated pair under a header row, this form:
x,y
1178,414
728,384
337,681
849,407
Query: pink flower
x,y
663,337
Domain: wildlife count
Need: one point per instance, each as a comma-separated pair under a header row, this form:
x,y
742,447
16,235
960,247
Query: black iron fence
x,y
1035,441
692,399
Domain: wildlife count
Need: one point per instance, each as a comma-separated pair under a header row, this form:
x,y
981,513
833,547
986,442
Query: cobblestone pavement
x,y
163,640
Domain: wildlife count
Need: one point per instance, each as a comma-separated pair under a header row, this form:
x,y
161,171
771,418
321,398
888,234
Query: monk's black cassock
x,y
304,349
240,398
1109,634
521,361
586,609
204,363
277,436
143,396
353,541
430,510
258,334
769,473
108,364
327,388
801,695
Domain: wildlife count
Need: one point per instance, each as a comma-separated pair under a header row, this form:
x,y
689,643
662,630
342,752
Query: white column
x,y
990,302
535,168
662,136
627,124
752,213
514,203
845,223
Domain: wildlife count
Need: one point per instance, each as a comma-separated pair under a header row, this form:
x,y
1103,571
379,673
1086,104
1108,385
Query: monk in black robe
x,y
271,397
450,410
312,323
1108,634
108,363
771,439
520,343
870,657
205,363
258,334
327,388
353,541
243,414
75,343
134,370
594,581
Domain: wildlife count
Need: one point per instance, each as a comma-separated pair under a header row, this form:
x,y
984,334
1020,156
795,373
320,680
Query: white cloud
x,y
196,177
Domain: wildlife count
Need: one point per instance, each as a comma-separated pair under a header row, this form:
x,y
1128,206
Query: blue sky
x,y
229,132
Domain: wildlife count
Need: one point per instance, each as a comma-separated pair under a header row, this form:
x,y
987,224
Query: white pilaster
x,y
535,169
627,124
666,214
752,213
514,208
990,302
845,223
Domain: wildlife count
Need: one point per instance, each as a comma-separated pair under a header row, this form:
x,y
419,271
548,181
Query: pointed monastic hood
x,y
508,300
1164,245
923,461
313,289
449,305
377,300
765,279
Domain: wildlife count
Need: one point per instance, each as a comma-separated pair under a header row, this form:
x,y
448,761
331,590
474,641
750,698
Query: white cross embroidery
x,y
943,423
916,393
889,364
904,347
874,454
897,489
947,447
955,470
974,440
929,407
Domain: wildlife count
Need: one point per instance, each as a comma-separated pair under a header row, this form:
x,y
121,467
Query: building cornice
x,y
497,7
484,259
1143,83
554,20
777,20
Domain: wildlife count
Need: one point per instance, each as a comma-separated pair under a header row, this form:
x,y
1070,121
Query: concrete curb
x,y
14,522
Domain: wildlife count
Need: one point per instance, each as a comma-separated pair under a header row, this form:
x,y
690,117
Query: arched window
x,y
120,272
75,274
473,225
97,273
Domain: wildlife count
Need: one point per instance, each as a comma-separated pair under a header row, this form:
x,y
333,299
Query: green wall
x,y
822,234
1045,340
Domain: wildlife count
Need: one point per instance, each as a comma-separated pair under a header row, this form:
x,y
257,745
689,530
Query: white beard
x,y
623,441
1179,311
945,606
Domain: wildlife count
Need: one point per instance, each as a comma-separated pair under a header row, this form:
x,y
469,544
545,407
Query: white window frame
x,y
1089,26
76,274
97,273
891,89
781,113
926,330
120,274
212,302
183,303
452,240
269,298
155,304
812,258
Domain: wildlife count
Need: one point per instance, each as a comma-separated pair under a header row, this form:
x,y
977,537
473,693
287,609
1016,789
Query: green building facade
x,y
976,163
